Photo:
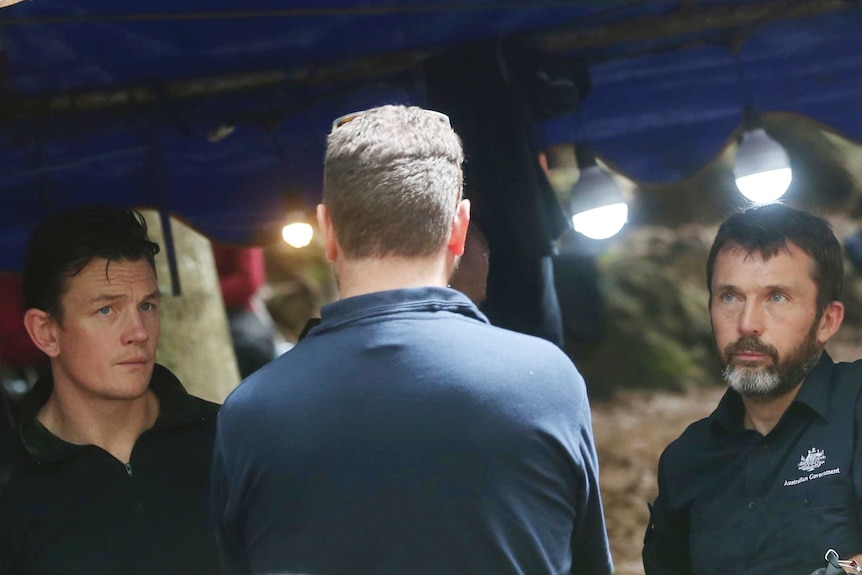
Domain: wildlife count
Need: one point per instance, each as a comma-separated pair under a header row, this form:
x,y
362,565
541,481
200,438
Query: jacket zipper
x,y
129,469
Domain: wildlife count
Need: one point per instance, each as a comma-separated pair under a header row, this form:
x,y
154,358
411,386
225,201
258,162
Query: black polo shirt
x,y
76,509
734,501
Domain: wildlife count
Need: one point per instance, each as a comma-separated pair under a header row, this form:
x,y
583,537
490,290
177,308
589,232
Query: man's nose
x,y
751,319
136,328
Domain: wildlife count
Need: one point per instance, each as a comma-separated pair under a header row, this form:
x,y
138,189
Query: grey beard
x,y
769,383
752,382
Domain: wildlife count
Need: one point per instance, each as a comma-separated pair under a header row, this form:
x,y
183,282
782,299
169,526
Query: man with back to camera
x,y
769,482
110,470
405,434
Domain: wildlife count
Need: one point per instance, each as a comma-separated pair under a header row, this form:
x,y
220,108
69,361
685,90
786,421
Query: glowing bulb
x,y
298,234
765,187
601,223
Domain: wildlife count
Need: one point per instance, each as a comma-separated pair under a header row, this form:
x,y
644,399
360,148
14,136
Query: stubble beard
x,y
771,381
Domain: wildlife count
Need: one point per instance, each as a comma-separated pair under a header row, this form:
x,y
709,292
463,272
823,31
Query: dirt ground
x,y
631,430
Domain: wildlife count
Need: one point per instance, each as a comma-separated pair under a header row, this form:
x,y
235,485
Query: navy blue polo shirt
x,y
734,501
406,435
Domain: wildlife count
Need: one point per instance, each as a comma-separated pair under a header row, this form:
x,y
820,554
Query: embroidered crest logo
x,y
812,460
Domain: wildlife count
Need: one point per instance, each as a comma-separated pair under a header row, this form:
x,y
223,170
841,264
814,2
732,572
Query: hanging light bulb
x,y
762,167
602,223
599,208
297,233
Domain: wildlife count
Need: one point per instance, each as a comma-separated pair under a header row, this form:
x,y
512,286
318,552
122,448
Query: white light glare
x,y
601,223
765,187
297,235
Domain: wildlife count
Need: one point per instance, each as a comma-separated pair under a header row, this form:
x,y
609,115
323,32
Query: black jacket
x,y
76,509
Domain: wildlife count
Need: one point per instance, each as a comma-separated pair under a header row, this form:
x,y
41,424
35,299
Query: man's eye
x,y
728,297
148,307
104,310
777,297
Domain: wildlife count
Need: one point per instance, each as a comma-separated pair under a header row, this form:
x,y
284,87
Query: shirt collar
x,y
176,407
816,389
814,394
397,301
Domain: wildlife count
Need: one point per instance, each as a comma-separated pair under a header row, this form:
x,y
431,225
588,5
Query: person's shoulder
x,y
492,349
695,434
246,394
207,409
849,370
11,453
696,438
525,365
520,343
168,386
846,381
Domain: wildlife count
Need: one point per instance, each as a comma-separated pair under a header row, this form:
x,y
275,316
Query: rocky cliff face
x,y
656,323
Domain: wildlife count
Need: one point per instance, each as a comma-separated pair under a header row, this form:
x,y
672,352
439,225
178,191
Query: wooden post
x,y
195,340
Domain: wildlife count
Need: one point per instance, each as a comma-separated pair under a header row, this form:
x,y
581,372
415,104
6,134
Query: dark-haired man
x,y
109,472
771,480
404,434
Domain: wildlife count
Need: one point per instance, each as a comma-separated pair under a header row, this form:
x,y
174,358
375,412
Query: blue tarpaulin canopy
x,y
217,111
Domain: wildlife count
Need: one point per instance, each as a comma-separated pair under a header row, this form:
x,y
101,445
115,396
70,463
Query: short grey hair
x,y
392,181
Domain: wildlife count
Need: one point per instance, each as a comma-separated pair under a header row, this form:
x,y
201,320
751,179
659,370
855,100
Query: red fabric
x,y
241,273
16,347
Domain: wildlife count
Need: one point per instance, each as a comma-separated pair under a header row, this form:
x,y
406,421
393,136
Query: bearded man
x,y
772,479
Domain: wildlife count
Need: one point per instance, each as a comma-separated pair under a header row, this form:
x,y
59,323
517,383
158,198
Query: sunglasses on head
x,y
347,118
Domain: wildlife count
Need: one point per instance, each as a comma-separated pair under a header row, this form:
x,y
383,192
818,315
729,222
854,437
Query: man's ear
x,y
43,331
833,317
330,241
459,228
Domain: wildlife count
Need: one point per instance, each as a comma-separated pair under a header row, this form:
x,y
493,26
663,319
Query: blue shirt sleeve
x,y
590,549
231,552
